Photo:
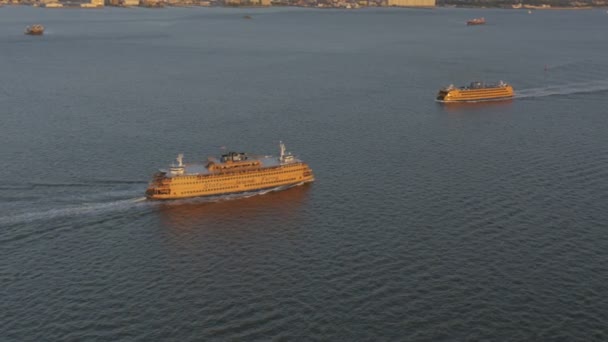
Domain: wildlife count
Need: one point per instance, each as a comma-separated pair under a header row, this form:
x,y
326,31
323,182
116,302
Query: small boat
x,y
476,21
476,92
246,17
35,30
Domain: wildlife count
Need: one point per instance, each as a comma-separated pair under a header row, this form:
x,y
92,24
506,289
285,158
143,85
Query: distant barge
x,y
476,21
35,30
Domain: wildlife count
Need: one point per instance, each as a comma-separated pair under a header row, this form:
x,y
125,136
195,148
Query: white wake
x,y
74,210
563,89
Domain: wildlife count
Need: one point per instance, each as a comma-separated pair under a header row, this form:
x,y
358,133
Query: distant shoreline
x,y
527,8
186,5
520,6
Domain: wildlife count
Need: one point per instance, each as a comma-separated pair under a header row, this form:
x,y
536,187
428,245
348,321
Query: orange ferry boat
x,y
233,173
476,91
476,21
34,30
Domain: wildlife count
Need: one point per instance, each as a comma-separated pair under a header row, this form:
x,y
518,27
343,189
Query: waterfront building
x,y
247,2
93,4
411,3
52,4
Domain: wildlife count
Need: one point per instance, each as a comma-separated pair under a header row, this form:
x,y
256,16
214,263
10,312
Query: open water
x,y
426,221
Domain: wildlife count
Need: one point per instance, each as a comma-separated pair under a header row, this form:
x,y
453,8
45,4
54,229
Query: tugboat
x,y
475,92
35,30
234,172
476,21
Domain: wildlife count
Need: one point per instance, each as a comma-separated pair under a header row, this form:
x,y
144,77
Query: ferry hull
x,y
169,198
480,100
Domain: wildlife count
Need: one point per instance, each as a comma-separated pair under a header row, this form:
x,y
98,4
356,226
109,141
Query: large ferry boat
x,y
232,173
476,91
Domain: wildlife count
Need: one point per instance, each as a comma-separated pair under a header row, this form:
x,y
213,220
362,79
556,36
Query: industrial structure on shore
x,y
411,3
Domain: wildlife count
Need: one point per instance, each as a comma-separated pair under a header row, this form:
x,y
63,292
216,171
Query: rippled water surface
x,y
483,221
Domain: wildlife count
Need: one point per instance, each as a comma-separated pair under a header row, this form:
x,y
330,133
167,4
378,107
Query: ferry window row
x,y
232,187
236,186
278,181
233,178
207,190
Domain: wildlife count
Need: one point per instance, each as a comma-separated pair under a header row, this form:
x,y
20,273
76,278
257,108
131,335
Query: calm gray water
x,y
426,222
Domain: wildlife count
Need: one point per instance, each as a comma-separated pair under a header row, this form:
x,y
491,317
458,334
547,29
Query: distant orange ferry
x,y
477,21
476,91
34,30
232,173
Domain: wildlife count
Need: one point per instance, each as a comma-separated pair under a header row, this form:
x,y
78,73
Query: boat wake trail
x,y
75,210
564,89
121,205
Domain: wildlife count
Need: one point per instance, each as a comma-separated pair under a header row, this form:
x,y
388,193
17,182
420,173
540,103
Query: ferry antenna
x,y
282,147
